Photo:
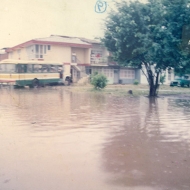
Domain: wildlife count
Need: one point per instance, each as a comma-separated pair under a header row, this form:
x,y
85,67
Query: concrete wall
x,y
143,79
168,79
87,53
67,70
4,56
58,53
169,76
82,54
18,54
137,75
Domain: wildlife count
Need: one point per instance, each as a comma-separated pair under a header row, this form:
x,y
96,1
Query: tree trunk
x,y
152,78
153,84
153,91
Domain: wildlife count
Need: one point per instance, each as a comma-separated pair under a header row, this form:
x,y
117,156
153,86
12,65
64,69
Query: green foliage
x,y
152,35
136,82
182,71
162,79
99,81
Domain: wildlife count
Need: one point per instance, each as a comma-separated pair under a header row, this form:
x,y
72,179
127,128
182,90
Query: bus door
x,y
60,70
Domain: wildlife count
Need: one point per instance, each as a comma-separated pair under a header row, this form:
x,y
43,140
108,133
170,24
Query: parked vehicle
x,y
181,81
32,73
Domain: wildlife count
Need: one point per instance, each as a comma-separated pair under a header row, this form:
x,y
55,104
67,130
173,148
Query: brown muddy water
x,y
54,139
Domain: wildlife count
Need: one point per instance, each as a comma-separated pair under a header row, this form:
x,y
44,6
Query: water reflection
x,y
53,138
149,149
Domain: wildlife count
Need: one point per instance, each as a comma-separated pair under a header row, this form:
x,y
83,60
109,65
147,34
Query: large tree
x,y
152,36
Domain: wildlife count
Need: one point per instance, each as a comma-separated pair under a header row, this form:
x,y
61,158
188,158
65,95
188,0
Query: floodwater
x,y
54,139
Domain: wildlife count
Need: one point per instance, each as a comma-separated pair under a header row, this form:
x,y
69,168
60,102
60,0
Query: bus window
x,y
7,68
21,68
45,68
53,68
37,68
60,68
30,68
11,68
3,68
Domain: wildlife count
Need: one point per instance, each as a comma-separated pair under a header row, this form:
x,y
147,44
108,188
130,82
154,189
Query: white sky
x,y
23,20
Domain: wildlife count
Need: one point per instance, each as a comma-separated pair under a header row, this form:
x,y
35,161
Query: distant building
x,y
3,54
80,56
169,76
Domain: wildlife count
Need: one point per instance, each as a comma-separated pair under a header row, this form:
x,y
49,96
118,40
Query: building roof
x,y
90,41
54,40
63,39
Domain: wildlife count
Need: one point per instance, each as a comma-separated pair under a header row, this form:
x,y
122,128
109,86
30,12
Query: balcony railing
x,y
99,61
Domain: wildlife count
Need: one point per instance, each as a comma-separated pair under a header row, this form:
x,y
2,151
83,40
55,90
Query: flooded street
x,y
55,139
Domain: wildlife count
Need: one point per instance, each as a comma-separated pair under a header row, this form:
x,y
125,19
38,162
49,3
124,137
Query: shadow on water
x,y
142,153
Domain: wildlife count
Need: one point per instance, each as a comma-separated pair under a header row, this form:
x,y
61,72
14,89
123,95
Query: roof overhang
x,y
40,42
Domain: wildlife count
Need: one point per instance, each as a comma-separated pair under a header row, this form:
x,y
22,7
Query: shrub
x,y
136,82
99,81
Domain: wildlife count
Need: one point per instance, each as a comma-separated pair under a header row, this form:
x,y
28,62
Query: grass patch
x,y
122,90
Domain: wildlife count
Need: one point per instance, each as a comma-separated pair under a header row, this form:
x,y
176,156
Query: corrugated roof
x,y
80,38
63,40
90,41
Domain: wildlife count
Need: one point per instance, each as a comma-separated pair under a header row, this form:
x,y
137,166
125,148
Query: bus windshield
x,y
7,68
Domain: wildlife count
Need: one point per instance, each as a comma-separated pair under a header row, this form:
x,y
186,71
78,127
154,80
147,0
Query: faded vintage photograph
x,y
95,95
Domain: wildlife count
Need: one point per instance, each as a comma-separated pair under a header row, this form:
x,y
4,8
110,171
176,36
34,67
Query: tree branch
x,y
145,76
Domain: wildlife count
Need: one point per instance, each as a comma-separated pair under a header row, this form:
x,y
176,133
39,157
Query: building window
x,y
129,74
49,47
88,71
105,71
40,50
37,51
44,49
73,58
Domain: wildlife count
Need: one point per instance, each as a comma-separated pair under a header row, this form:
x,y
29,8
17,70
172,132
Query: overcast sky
x,y
23,20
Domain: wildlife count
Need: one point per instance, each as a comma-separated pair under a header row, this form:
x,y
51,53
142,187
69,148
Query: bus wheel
x,y
35,83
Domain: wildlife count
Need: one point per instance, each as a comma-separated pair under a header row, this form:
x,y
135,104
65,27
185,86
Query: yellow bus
x,y
31,73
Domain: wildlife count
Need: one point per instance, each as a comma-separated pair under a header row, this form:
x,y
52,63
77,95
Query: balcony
x,y
98,60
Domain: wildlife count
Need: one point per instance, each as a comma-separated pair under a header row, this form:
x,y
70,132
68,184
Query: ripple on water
x,y
58,139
